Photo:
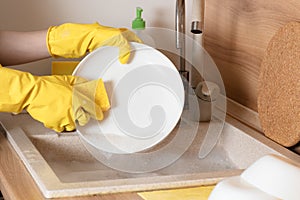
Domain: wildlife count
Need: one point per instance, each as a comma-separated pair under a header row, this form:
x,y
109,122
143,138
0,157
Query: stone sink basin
x,y
62,166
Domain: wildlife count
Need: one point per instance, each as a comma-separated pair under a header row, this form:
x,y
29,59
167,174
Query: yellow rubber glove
x,y
56,101
75,40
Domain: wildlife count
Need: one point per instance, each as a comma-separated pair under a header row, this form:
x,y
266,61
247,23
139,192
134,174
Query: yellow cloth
x,y
75,40
197,193
56,101
63,67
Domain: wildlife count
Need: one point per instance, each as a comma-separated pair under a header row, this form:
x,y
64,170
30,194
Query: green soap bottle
x,y
139,27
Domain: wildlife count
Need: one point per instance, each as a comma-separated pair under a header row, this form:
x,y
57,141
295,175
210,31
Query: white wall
x,y
28,15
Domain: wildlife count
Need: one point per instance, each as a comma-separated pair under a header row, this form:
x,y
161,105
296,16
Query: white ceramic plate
x,y
146,96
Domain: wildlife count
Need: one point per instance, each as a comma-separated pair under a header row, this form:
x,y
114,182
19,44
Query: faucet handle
x,y
207,91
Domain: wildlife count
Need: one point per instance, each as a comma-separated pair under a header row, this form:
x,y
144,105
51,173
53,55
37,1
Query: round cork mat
x,y
279,87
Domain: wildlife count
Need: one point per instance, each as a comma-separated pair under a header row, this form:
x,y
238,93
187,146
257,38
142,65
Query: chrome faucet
x,y
205,91
180,36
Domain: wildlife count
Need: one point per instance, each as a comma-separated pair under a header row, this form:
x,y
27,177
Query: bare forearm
x,y
22,47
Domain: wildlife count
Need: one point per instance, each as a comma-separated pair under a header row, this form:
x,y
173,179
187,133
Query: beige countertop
x,y
17,184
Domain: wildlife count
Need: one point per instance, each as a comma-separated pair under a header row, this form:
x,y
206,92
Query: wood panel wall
x,y
236,34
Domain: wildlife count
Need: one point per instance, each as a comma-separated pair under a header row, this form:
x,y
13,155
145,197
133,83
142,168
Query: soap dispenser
x,y
139,25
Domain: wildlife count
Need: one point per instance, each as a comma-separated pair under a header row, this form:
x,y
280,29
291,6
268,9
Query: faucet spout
x,y
180,23
180,35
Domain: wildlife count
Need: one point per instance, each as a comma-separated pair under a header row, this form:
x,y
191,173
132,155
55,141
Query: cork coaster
x,y
279,87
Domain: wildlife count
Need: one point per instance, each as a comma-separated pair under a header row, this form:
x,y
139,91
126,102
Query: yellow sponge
x,y
197,193
63,67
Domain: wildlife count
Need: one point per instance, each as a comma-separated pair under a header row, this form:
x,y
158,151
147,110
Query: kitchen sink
x,y
62,166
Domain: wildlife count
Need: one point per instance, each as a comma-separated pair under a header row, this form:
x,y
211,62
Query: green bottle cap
x,y
138,23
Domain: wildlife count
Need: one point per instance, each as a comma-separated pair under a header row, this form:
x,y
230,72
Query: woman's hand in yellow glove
x,y
75,40
56,101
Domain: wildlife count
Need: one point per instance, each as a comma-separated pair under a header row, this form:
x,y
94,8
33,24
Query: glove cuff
x,y
16,89
48,39
70,40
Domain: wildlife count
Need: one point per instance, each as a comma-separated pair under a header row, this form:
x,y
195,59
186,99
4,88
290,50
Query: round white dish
x,y
146,96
